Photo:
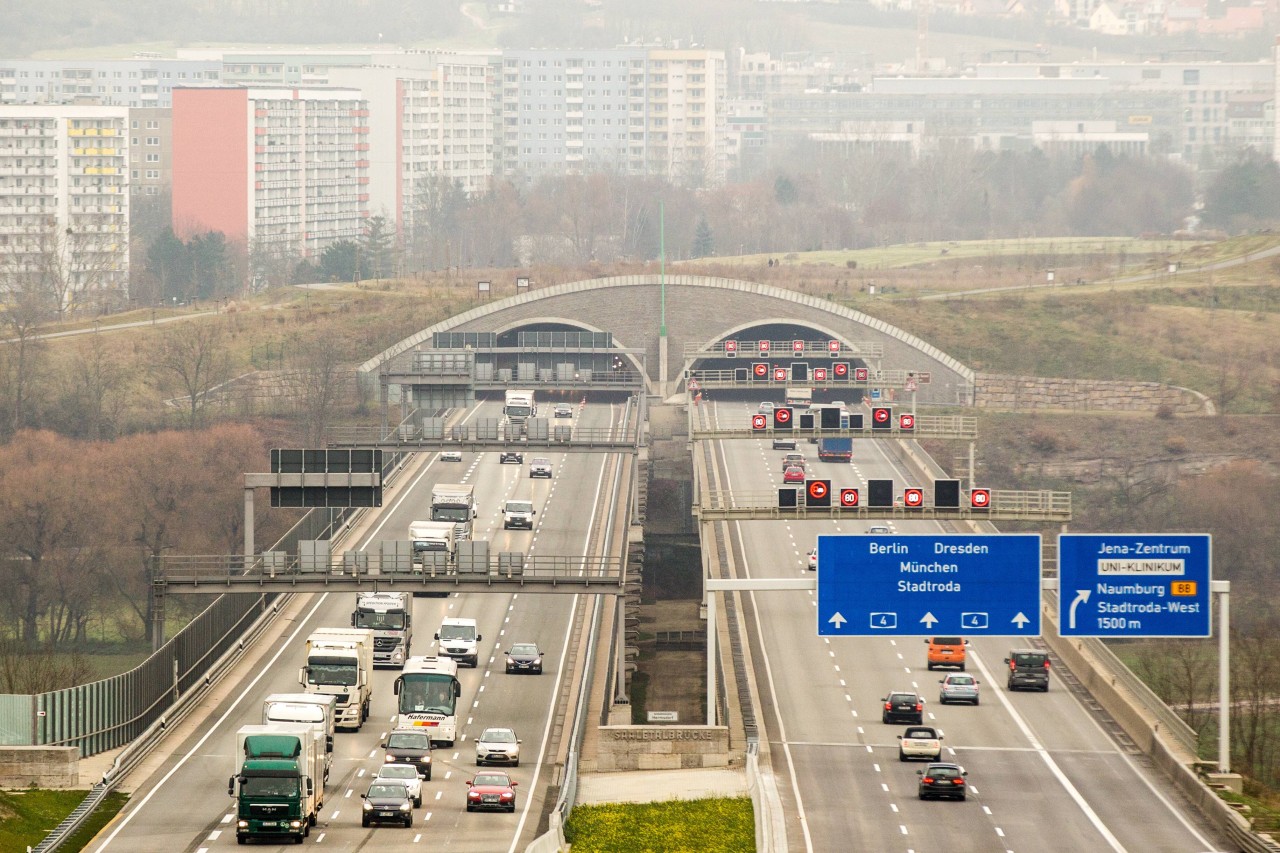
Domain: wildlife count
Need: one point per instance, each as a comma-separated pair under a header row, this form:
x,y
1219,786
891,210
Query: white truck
x,y
519,406
454,503
433,542
389,615
340,663
276,782
460,640
518,513
316,711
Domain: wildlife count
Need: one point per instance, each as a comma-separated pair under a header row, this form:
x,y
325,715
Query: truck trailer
x,y
389,615
456,504
340,663
276,782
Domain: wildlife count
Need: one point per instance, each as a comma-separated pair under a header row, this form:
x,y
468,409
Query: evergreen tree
x,y
703,243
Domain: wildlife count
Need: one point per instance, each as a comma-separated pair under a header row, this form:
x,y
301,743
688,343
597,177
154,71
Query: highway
x,y
184,805
1045,776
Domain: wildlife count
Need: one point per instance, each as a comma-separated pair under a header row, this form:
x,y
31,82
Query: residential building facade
x,y
284,170
139,82
64,204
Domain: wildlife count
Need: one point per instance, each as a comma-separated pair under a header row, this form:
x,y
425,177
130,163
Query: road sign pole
x,y
1223,588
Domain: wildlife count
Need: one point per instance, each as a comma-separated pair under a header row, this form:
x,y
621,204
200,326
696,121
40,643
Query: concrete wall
x,y
39,767
661,747
1029,393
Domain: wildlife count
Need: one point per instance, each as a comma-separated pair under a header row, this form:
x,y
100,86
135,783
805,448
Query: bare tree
x,y
319,379
191,360
95,383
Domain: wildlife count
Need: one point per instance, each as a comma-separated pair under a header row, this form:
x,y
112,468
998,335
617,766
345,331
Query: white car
x,y
877,529
498,746
450,455
563,410
920,742
540,467
813,559
406,773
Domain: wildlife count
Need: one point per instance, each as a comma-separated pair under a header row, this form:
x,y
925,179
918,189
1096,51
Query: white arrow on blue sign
x,y
1134,585
918,586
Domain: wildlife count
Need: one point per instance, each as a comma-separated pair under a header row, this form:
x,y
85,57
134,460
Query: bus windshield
x,y
427,693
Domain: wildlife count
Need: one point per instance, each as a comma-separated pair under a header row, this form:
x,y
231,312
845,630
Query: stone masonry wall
x,y
661,747
1028,393
51,767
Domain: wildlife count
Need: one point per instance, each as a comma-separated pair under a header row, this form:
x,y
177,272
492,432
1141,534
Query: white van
x,y
458,639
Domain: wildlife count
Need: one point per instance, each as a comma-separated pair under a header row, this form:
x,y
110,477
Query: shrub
x,y
1045,441
1175,445
1164,412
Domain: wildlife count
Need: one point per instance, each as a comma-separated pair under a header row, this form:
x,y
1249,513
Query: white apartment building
x,y
64,203
137,82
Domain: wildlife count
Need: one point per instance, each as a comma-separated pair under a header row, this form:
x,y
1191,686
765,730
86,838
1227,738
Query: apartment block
x,y
64,204
138,82
150,151
285,170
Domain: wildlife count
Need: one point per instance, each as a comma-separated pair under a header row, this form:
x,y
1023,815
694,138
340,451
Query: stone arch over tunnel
x,y
698,310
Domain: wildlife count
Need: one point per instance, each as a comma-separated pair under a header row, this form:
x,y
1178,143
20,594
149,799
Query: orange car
x,y
946,651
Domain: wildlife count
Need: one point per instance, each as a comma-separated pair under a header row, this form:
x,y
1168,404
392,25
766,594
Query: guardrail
x,y
926,426
1005,506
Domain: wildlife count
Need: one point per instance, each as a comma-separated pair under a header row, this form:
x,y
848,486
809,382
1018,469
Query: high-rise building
x,y
284,171
64,204
138,82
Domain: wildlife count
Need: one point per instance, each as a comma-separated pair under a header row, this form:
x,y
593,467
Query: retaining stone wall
x,y
661,747
49,767
1028,393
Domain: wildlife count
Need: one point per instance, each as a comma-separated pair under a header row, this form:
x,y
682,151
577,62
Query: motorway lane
x,y
1045,774
184,805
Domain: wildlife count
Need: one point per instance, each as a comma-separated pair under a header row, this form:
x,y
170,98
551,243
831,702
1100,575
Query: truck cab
x,y
517,513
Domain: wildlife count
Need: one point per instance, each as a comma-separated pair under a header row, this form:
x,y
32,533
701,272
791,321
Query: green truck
x,y
276,789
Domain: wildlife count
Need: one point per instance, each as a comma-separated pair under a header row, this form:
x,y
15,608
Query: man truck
x,y
455,504
340,663
835,449
389,615
276,783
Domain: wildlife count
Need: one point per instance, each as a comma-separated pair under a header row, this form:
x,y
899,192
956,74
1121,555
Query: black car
x,y
511,456
524,657
784,444
1028,668
386,802
903,708
941,779
409,746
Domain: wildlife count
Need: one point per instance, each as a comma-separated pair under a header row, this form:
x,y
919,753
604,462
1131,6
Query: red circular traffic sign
x,y
758,422
880,416
764,346
819,374
906,421
779,374
833,346
860,374
797,346
841,369
848,497
913,497
818,489
980,498
761,370
730,346
782,416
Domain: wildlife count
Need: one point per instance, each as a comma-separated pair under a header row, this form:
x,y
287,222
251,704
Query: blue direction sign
x,y
1134,585
918,586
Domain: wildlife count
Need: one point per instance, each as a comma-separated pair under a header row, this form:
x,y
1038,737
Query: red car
x,y
794,474
492,790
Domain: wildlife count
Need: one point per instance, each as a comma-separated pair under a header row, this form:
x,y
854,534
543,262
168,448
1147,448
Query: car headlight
x,y
405,806
510,662
389,758
426,759
368,806
242,824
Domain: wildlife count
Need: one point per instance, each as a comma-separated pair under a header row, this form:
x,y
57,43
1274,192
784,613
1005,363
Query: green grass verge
x,y
26,817
721,825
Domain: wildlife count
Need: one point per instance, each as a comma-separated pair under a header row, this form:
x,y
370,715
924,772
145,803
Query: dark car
x,y
941,779
491,790
409,746
1028,668
386,802
563,410
515,456
903,707
784,444
524,657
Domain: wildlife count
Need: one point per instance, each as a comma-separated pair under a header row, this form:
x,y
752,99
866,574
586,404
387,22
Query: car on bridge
x,y
563,410
386,802
491,790
958,687
796,459
524,657
405,774
540,467
903,707
498,746
943,779
920,742
784,443
794,474
450,455
812,557
511,456
877,530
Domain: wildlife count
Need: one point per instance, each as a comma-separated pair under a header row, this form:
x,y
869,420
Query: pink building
x,y
283,170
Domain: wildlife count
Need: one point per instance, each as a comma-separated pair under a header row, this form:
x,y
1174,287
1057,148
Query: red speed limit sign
x,y
860,374
906,422
731,346
819,374
848,497
913,497
980,498
797,346
759,421
764,346
779,374
833,346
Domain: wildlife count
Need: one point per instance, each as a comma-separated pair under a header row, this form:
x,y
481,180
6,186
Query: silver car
x,y
958,687
540,467
498,746
406,773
